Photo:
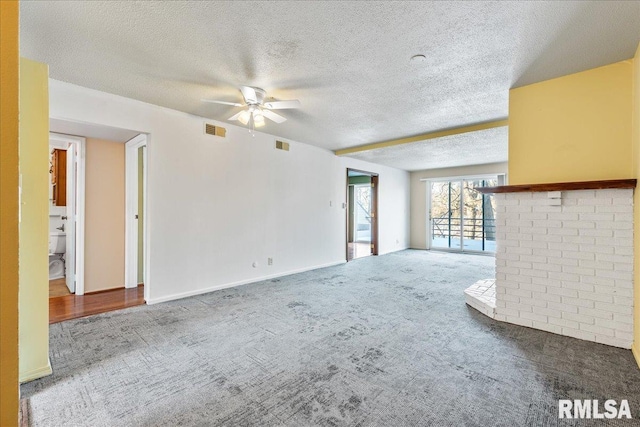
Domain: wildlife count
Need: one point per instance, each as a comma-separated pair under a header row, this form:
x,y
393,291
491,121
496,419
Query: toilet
x,y
57,247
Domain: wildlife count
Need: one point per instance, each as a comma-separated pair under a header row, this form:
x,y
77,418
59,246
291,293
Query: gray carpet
x,y
381,341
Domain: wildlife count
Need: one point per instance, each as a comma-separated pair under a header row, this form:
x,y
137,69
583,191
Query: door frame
x,y
131,211
80,185
374,208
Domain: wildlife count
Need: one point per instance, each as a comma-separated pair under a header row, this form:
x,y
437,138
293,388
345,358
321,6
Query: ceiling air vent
x,y
214,130
280,145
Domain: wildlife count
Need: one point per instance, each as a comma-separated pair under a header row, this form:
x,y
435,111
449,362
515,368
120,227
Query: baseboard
x,y
34,374
635,349
239,283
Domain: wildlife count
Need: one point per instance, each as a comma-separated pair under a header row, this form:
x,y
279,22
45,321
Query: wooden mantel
x,y
561,186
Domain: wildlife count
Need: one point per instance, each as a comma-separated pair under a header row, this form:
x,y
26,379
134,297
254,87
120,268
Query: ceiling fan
x,y
257,109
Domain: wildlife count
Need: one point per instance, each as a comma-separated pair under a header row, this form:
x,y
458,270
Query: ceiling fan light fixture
x,y
258,119
244,117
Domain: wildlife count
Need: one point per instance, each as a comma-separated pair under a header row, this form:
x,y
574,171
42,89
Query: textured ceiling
x,y
347,62
474,148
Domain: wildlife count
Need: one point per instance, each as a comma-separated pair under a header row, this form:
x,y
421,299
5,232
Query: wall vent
x,y
281,145
214,130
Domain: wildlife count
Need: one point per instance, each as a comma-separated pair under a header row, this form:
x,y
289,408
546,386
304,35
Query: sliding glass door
x,y
460,217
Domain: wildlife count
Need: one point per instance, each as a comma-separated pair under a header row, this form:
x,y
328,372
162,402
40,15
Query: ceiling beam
x,y
424,137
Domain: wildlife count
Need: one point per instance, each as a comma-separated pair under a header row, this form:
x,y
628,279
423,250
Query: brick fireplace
x,y
564,259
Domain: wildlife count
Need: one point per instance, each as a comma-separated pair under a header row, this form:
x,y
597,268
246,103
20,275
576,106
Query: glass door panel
x,y
445,214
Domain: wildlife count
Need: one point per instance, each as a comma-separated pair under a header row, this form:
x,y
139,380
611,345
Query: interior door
x,y
374,214
71,217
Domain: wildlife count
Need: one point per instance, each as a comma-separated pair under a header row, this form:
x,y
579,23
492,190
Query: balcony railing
x,y
470,228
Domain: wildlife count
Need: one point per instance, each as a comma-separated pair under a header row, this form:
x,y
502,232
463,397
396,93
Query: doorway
x,y
460,217
66,215
362,218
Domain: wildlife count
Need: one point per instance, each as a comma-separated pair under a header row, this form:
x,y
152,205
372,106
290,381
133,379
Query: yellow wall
x,y
104,215
34,220
573,128
9,68
636,202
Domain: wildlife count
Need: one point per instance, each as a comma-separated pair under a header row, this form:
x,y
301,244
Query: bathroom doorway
x,y
66,214
362,207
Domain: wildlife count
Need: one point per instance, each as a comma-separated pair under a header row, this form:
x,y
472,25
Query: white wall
x,y
419,194
216,205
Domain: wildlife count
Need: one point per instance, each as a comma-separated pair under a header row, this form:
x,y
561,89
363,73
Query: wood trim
x,y
561,186
424,137
374,226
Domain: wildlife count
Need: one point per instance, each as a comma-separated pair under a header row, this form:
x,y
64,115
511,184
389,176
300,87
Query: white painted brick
x,y
620,250
521,307
563,261
597,233
536,244
625,335
564,323
530,231
616,225
564,246
578,255
563,231
616,209
546,296
547,209
598,330
622,275
623,318
536,317
547,238
597,217
507,312
581,271
621,202
533,273
594,201
596,249
501,318
508,297
612,324
562,307
595,297
623,217
618,259
551,253
582,225
623,236
519,292
578,286
565,293
518,278
623,301
614,291
579,209
549,312
533,287
547,267
580,318
579,302
595,313
563,216
581,240
570,277
519,321
533,302
601,281
534,216
533,258
575,333
613,308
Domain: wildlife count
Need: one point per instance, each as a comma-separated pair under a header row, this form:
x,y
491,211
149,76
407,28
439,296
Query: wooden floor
x,y
72,307
358,250
58,288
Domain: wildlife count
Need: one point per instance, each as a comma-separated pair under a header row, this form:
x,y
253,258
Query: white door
x,y
71,215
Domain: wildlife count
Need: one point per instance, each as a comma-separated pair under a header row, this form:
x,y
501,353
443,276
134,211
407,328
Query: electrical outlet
x,y
269,261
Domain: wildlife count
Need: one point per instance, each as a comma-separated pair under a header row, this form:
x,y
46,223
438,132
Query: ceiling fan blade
x,y
213,101
281,105
249,94
235,116
273,116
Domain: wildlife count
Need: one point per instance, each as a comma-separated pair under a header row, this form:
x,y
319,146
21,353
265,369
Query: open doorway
x,y
362,218
96,180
